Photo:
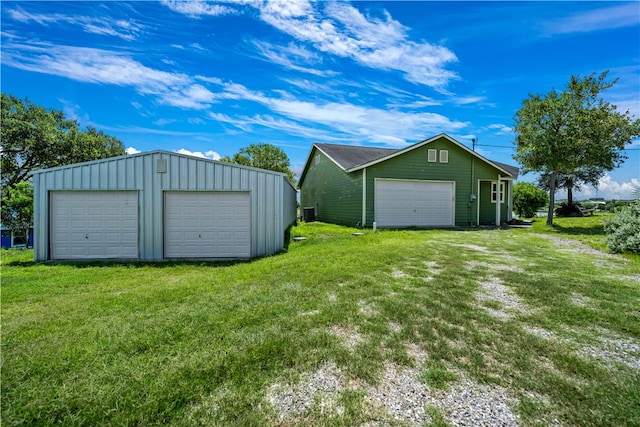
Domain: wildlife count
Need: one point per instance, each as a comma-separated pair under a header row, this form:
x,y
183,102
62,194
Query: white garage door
x,y
414,203
207,225
94,224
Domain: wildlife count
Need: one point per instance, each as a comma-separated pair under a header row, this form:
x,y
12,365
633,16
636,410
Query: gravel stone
x,y
611,347
470,404
494,290
491,266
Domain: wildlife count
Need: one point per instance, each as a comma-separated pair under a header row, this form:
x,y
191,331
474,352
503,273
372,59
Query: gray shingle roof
x,y
349,156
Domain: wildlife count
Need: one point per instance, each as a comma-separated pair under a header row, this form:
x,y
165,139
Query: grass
x,y
213,344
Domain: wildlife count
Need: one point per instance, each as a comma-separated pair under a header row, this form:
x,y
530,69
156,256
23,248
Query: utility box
x,y
309,214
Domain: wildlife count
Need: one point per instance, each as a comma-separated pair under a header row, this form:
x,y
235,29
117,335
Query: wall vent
x,y
161,165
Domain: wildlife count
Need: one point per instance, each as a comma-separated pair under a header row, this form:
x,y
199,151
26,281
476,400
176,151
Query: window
x,y
494,191
444,156
432,155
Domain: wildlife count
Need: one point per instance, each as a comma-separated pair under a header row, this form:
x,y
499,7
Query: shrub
x,y
528,198
623,230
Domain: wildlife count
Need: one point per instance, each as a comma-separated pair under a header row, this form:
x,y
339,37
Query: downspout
x,y
364,197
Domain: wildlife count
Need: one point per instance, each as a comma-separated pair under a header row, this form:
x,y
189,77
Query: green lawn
x,y
331,332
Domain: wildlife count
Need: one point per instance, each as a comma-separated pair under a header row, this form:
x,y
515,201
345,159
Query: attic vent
x,y
317,158
432,155
161,165
444,156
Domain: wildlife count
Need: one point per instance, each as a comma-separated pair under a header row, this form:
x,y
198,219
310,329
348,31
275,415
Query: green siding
x,y
414,165
335,195
487,208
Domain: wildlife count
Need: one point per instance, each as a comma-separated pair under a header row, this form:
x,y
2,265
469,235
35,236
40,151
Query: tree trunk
x,y
552,197
570,196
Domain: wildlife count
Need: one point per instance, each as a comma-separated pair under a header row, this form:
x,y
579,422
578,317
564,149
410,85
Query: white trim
x,y
425,142
444,158
364,197
432,155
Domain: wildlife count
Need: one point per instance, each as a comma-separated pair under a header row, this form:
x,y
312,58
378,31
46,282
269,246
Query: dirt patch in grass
x,y
494,290
398,397
611,347
350,337
474,248
318,390
492,266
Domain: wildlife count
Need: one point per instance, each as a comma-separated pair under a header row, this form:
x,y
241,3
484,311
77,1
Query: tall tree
x,y
561,132
33,137
264,156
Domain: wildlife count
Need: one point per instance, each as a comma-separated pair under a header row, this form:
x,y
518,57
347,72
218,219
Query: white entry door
x,y
207,225
404,203
94,224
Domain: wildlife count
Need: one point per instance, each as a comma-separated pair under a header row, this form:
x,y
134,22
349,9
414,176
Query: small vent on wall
x,y
444,156
161,165
431,155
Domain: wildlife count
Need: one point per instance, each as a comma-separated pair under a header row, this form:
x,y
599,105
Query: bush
x,y
528,198
623,230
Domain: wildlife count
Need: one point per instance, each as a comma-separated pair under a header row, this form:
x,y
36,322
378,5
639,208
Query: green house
x,y
434,183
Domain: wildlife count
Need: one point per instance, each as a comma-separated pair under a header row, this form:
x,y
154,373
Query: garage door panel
x,y
207,225
94,224
414,203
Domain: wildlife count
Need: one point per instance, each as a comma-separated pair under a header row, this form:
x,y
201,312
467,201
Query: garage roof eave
x,y
151,153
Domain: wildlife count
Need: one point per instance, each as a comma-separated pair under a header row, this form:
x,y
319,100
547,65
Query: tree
x,y
17,209
572,180
528,198
561,132
33,137
264,156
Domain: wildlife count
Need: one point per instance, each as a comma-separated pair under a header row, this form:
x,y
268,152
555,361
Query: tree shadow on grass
x,y
594,230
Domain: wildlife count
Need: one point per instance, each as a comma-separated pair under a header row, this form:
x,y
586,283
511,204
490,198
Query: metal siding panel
x,y
217,178
209,175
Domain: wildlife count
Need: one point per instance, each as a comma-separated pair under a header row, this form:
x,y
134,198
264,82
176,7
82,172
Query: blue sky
x,y
212,77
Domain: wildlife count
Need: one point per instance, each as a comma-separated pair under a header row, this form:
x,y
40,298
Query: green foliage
x,y
615,205
623,230
33,137
528,198
17,208
263,156
563,132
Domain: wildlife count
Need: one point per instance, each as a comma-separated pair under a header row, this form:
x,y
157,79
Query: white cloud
x,y
106,67
501,129
207,155
609,189
195,8
342,30
124,29
350,121
622,15
289,56
132,150
374,42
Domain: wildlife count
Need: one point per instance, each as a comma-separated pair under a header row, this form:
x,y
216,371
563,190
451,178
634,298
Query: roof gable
x,y
351,158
